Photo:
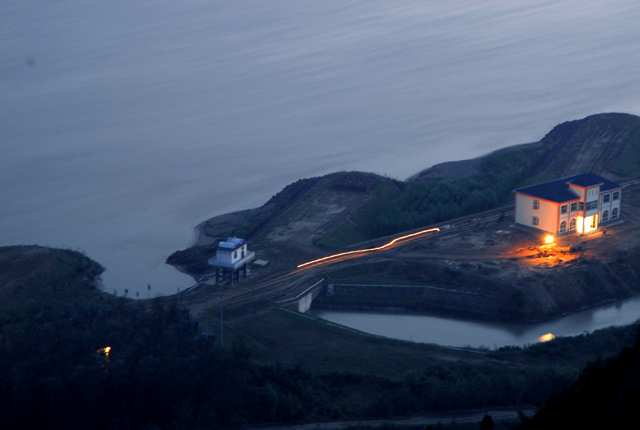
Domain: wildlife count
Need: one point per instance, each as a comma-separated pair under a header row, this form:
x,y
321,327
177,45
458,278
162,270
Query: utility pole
x,y
221,319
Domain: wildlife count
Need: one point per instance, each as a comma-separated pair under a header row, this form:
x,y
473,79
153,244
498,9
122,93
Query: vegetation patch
x,y
409,205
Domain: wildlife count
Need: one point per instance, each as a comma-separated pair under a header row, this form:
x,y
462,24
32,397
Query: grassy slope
x,y
352,363
508,377
282,336
33,279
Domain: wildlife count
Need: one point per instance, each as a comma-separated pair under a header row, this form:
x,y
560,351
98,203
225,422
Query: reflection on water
x,y
460,333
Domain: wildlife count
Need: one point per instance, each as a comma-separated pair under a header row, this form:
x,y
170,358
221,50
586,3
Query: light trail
x,y
362,251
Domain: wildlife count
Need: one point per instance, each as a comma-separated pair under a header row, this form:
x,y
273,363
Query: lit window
x,y
614,213
563,226
563,209
535,221
572,225
616,196
536,205
605,216
605,198
574,206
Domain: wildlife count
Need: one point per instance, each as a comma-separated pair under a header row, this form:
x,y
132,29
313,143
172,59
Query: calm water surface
x,y
460,333
125,124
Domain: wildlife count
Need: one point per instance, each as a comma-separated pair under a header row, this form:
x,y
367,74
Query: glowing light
x,y
588,224
549,239
105,351
546,337
362,251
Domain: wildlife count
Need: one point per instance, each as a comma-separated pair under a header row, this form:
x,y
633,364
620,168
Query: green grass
x,y
629,162
50,279
279,336
294,339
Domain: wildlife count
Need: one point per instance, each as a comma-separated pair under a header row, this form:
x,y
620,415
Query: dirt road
x,y
432,419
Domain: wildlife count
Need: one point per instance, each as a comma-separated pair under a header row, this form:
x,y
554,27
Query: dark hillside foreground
x,y
606,396
108,362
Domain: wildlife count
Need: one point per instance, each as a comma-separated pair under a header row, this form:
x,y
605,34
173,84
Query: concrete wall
x,y
304,303
407,298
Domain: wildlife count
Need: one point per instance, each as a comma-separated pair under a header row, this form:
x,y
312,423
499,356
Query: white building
x,y
231,256
575,204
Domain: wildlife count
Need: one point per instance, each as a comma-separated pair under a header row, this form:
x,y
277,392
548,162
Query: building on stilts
x,y
232,258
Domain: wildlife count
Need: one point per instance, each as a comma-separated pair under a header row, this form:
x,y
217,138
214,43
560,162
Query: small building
x,y
232,257
575,204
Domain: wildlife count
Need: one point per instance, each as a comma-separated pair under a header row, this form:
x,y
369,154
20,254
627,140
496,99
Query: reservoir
x,y
123,125
466,333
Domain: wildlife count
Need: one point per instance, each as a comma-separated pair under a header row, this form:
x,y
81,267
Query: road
x,y
431,419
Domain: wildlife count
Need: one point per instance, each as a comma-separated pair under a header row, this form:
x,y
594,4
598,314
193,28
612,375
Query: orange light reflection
x,y
546,337
361,251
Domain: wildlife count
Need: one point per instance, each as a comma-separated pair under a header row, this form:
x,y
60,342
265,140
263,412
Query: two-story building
x,y
575,204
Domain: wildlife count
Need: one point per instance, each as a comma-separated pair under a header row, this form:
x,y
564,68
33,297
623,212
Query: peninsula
x,y
479,265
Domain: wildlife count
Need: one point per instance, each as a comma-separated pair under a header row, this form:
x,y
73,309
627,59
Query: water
x,y
125,124
461,333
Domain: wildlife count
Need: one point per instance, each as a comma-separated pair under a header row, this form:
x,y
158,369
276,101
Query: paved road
x,y
432,419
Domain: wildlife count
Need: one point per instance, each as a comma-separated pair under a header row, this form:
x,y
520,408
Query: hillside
x,y
75,357
605,395
606,144
33,278
316,217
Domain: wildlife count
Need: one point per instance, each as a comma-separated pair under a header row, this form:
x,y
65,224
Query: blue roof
x,y
559,190
231,244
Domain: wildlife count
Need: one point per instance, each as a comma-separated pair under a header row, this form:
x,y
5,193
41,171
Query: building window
x,y
605,198
563,209
605,216
614,213
574,206
536,205
535,221
592,205
572,225
581,206
563,226
616,196
235,254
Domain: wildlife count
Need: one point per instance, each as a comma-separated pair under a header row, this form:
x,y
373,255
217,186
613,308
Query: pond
x,y
467,333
